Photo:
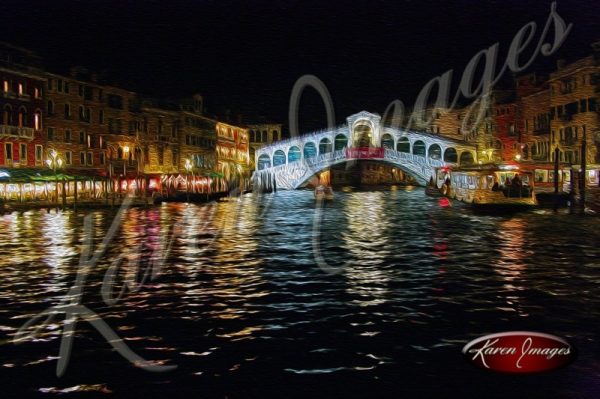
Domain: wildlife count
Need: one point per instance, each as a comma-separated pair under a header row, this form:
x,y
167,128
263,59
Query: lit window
x,y
6,86
37,120
20,89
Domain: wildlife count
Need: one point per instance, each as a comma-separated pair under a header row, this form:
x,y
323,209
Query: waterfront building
x,y
21,104
573,109
233,156
261,135
198,142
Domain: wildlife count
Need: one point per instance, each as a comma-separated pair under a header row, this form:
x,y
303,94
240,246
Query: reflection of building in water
x,y
367,173
366,240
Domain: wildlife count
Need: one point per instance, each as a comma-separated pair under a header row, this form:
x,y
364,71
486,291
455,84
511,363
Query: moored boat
x,y
490,187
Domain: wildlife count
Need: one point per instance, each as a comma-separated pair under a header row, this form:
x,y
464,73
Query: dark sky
x,y
246,55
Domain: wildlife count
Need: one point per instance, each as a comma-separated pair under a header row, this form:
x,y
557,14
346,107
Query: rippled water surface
x,y
241,297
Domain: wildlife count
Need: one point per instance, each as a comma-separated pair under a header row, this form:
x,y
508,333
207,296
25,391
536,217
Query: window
x,y
39,153
37,93
115,101
21,89
101,117
50,84
90,158
68,157
37,120
87,92
59,85
82,158
50,107
66,87
6,86
23,152
68,136
81,137
114,125
80,90
22,117
161,155
102,158
67,111
50,134
8,153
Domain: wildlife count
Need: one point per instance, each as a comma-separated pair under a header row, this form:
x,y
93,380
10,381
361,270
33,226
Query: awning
x,y
29,175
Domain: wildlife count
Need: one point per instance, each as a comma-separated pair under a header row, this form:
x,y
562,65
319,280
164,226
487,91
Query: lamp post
x,y
54,162
125,160
188,168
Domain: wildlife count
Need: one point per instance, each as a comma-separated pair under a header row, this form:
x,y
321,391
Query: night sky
x,y
244,56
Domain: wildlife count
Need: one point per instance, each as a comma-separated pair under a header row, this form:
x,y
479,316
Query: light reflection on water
x,y
240,302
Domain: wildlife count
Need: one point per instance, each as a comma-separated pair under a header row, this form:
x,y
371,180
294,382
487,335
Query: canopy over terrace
x,y
20,184
30,175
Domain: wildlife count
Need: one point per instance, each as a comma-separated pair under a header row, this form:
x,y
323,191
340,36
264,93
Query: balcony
x,y
119,164
565,117
569,141
16,132
8,94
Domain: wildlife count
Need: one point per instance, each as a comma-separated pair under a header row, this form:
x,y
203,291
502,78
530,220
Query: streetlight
x,y
188,168
54,162
125,158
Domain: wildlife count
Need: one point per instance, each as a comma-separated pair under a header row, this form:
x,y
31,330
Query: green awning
x,y
29,175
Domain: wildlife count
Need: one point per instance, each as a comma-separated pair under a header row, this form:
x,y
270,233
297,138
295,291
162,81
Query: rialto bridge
x,y
290,164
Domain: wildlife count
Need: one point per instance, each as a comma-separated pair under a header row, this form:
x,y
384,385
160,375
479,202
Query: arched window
x,y
278,158
293,154
419,148
37,120
325,146
450,155
276,135
265,137
22,121
7,115
435,151
387,141
264,161
341,142
403,145
309,150
466,158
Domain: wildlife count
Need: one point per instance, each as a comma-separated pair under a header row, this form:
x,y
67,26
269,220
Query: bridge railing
x,y
413,158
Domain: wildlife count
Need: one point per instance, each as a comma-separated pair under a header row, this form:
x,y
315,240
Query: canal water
x,y
373,295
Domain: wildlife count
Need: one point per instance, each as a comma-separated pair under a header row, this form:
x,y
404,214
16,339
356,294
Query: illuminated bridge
x,y
290,164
